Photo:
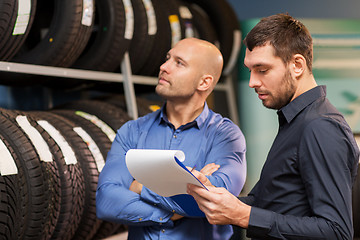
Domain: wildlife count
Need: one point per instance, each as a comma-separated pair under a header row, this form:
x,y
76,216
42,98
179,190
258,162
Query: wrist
x,y
243,216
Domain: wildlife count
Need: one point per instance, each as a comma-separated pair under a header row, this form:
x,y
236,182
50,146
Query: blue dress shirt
x,y
210,138
304,191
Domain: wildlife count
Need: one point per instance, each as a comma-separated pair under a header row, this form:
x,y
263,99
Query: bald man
x,y
212,143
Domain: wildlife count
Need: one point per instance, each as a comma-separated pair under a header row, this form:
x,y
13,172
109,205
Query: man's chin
x,y
268,105
159,91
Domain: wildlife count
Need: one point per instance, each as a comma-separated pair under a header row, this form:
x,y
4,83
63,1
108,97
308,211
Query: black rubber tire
x,y
144,105
35,215
72,182
106,229
51,175
10,201
108,113
10,40
202,24
65,39
187,19
107,44
89,223
13,187
227,28
170,30
93,130
144,34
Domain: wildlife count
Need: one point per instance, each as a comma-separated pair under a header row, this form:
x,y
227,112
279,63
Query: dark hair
x,y
287,35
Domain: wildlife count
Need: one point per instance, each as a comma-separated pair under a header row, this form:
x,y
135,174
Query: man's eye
x,y
262,70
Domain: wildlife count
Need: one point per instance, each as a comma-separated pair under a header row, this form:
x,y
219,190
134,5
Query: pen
x,y
193,168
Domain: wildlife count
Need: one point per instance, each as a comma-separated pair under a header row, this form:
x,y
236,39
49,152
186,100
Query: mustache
x,y
258,91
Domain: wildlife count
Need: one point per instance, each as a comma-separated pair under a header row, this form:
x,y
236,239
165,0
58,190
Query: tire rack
x,y
126,78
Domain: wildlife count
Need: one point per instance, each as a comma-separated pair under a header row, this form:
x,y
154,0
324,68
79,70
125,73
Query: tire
x,y
202,25
66,36
71,178
170,31
14,191
111,115
12,32
89,223
34,214
106,229
49,167
186,19
225,22
92,129
144,105
144,35
108,42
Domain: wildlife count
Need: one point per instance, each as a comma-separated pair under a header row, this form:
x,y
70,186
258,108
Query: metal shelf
x,y
126,78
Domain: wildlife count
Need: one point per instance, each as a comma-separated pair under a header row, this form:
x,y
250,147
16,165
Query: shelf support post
x,y
129,87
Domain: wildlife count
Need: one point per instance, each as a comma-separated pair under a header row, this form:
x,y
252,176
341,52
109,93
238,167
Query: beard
x,y
284,93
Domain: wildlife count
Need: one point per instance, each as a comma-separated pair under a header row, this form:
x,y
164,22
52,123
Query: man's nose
x,y
254,81
164,66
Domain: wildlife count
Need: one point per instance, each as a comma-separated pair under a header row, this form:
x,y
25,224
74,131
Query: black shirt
x,y
305,187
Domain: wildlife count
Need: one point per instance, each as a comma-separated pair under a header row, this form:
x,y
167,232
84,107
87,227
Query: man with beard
x,y
210,142
305,187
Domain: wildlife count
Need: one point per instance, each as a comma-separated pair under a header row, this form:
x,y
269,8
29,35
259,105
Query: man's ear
x,y
298,65
206,82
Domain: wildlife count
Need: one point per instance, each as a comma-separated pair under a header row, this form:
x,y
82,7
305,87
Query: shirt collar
x,y
289,112
199,121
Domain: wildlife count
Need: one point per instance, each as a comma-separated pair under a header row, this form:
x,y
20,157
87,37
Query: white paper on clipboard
x,y
161,171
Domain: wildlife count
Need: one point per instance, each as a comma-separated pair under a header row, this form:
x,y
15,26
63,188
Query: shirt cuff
x,y
260,223
149,196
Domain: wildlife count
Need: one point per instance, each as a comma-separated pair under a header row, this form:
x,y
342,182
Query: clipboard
x,y
163,172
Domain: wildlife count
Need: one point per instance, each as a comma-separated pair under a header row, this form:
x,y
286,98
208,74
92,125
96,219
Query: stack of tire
x,y
95,34
49,168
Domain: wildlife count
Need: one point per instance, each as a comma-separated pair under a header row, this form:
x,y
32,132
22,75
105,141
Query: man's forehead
x,y
259,56
177,54
184,53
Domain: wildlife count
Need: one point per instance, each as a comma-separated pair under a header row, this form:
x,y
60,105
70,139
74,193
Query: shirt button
x,y
161,219
175,136
163,230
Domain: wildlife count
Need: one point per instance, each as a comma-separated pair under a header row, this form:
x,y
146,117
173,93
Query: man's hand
x,y
202,178
209,169
136,187
220,206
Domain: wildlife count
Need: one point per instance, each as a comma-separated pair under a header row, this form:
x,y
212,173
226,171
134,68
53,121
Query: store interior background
x,y
326,19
